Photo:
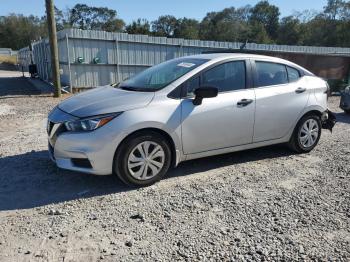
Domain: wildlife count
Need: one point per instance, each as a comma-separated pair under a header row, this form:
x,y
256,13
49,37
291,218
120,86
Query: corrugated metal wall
x,y
24,58
42,58
122,55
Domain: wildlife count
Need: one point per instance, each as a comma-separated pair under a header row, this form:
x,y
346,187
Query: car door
x,y
223,121
281,96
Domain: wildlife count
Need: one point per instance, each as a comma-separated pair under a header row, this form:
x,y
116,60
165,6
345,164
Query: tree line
x,y
261,23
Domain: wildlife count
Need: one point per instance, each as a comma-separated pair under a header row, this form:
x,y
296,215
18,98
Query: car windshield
x,y
159,76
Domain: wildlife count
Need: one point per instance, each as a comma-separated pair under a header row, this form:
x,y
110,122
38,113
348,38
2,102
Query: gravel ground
x,y
262,204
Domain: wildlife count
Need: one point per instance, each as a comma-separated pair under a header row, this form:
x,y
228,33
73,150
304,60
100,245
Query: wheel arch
x,y
312,112
174,152
293,144
317,110
314,109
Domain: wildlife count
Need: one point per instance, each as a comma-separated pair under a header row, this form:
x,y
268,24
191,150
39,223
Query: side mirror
x,y
204,92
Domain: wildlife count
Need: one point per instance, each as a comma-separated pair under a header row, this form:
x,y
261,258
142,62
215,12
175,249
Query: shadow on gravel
x,y
343,118
32,180
208,163
8,67
14,86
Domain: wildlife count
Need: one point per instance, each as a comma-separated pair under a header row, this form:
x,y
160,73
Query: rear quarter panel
x,y
320,88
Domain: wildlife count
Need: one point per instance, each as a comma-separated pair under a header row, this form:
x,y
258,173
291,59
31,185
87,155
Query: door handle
x,y
244,102
300,90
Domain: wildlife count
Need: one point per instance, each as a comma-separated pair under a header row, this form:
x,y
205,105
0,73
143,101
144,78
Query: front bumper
x,y
72,147
87,152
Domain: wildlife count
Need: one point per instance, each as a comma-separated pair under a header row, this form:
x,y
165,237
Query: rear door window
x,y
269,74
293,74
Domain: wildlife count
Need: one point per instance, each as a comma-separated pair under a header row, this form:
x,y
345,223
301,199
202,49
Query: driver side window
x,y
192,85
225,77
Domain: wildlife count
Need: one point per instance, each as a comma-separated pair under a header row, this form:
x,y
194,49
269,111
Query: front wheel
x,y
142,159
306,135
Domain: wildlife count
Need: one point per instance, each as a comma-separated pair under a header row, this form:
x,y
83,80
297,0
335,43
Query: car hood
x,y
104,100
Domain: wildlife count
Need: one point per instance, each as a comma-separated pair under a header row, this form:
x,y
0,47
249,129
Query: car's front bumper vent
x,y
81,162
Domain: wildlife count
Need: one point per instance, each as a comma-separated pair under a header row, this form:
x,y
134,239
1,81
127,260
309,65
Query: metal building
x,y
93,58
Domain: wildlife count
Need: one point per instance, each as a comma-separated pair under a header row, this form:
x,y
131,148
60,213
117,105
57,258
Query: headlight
x,y
91,123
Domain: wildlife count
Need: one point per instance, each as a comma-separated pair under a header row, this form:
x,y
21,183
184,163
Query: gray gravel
x,y
263,204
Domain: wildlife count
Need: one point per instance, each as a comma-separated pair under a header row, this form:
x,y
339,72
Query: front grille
x,y
55,131
49,126
55,125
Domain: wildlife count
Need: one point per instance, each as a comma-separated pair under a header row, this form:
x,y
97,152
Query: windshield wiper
x,y
128,88
137,89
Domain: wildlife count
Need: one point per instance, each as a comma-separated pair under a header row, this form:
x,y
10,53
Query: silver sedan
x,y
188,108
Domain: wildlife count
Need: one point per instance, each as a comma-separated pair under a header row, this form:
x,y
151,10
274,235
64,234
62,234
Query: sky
x,y
130,10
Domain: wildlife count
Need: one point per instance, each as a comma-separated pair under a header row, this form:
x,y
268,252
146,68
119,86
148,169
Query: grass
x,y
7,59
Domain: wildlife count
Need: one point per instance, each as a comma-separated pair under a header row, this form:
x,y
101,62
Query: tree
x,y
259,24
267,15
95,18
305,15
343,33
319,32
230,24
346,11
165,26
334,9
187,28
17,31
289,31
115,25
60,19
140,26
258,34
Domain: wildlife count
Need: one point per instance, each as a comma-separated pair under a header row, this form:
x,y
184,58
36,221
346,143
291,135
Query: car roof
x,y
222,56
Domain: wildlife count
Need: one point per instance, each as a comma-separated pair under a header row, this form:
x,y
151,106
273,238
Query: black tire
x,y
347,112
120,165
295,144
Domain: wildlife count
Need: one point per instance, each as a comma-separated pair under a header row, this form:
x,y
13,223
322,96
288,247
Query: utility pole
x,y
51,23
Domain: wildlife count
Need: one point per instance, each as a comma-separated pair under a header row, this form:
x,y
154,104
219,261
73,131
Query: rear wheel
x,y
306,135
142,159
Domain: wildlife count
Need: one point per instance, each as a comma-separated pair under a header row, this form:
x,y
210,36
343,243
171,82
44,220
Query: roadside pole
x,y
51,23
